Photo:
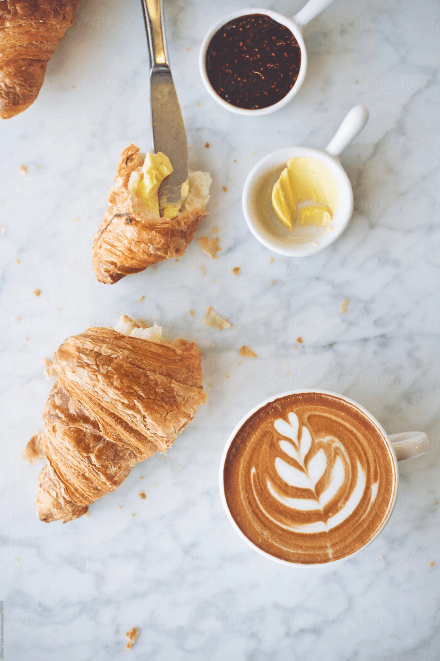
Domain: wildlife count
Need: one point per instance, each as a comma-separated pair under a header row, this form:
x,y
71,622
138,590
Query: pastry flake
x,y
245,352
209,246
214,320
131,637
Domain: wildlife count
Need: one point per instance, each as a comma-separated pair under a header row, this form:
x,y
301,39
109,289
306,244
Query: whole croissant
x,y
117,401
30,31
132,237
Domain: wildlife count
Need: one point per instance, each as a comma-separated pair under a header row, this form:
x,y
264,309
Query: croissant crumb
x,y
131,237
118,399
131,637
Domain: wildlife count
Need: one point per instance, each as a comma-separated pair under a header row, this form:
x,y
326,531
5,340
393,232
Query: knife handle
x,y
153,17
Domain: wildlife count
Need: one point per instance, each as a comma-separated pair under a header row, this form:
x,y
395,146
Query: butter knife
x,y
169,135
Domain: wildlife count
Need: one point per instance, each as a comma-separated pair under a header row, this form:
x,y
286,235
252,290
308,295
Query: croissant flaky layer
x,y
30,31
131,237
117,401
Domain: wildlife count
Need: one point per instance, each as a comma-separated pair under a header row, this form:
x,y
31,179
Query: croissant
x,y
131,237
30,31
117,400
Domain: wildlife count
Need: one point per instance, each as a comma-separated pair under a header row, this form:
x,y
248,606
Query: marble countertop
x,y
177,570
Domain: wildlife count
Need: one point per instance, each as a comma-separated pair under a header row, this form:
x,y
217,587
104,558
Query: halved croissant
x,y
30,31
117,400
131,237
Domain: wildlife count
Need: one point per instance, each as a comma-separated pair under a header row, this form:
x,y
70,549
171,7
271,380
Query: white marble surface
x,y
177,570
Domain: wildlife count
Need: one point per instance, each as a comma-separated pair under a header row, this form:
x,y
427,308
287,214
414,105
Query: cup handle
x,y
409,444
310,10
349,129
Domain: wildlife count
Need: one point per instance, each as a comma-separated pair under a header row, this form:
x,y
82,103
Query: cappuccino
x,y
309,478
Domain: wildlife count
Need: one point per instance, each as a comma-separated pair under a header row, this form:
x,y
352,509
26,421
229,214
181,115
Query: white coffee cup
x,y
257,194
295,25
402,446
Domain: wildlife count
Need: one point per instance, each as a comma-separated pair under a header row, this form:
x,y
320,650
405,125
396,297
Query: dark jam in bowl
x,y
253,61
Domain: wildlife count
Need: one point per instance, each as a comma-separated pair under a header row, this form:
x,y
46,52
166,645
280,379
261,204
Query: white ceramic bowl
x,y
257,194
295,25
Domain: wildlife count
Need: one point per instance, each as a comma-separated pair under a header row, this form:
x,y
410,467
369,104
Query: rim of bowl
x,y
287,22
236,429
285,154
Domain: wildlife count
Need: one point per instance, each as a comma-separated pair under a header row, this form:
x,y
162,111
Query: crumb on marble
x,y
188,48
247,353
272,282
236,270
178,465
18,319
49,371
299,340
432,563
215,230
75,220
213,320
133,514
207,145
227,375
224,189
2,229
209,246
35,448
235,160
17,261
203,270
141,298
37,292
344,305
192,313
24,169
17,559
131,637
142,495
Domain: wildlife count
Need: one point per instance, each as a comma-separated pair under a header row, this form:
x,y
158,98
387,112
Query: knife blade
x,y
169,135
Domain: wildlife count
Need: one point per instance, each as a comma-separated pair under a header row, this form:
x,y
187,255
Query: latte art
x,y
309,478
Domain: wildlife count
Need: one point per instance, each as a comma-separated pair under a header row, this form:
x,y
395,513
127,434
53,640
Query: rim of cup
x,y
237,428
279,18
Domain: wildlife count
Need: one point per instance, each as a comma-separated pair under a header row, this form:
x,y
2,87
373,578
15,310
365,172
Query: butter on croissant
x,y
131,236
117,400
30,31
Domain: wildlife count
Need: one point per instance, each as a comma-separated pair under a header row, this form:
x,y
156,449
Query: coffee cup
x,y
309,478
295,25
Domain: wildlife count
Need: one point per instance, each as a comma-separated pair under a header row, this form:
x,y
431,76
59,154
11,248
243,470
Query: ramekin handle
x,y
310,10
349,129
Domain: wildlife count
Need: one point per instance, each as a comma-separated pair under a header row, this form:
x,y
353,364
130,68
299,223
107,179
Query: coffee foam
x,y
309,478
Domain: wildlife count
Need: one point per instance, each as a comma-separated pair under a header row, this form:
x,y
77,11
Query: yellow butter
x,y
155,169
305,180
319,215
